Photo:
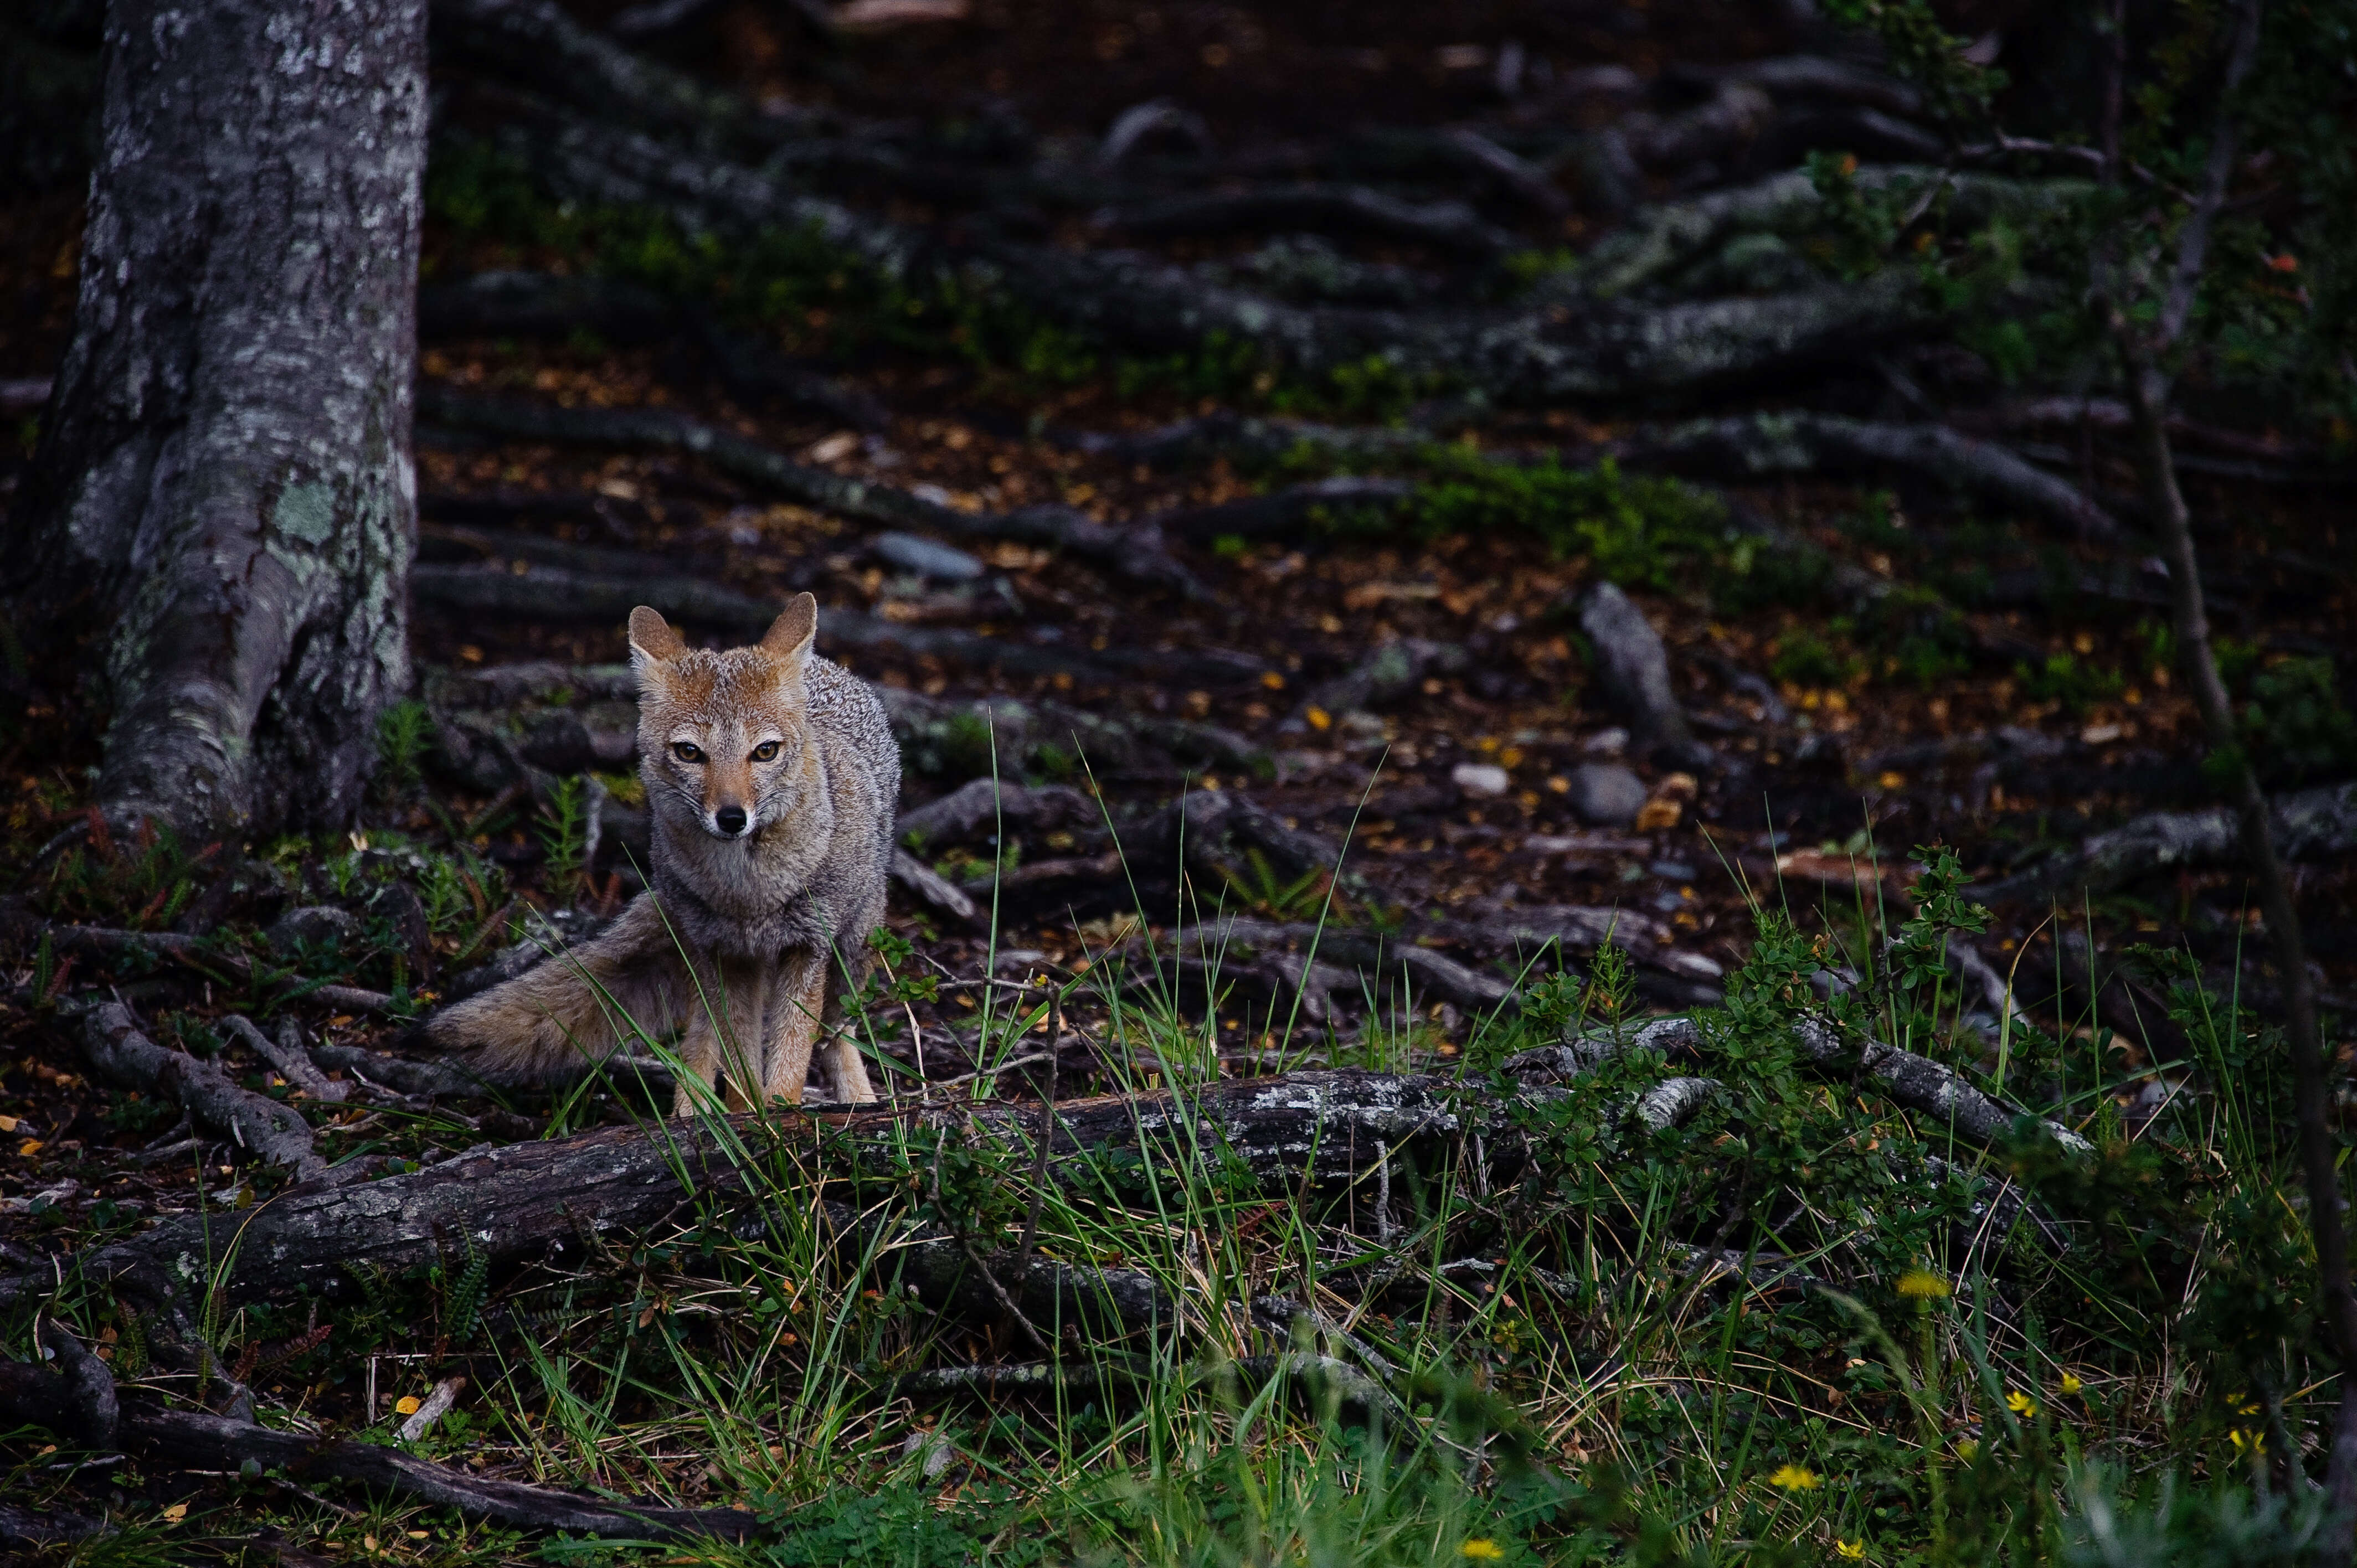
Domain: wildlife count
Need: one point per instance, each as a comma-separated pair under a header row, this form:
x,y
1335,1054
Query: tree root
x,y
1133,555
79,1405
2307,825
556,593
543,305
21,929
1346,208
1393,670
1758,446
1560,344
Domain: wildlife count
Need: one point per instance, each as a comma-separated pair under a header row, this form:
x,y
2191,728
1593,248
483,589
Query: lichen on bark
x,y
222,497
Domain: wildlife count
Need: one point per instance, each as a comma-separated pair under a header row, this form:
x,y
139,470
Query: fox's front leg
x,y
796,993
724,1029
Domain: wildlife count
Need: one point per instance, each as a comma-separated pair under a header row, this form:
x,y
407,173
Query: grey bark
x,y
2305,824
223,487
1633,668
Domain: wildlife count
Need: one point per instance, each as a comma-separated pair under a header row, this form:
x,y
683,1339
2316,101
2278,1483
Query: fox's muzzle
x,y
732,821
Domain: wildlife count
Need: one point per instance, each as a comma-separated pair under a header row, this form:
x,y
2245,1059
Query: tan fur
x,y
771,781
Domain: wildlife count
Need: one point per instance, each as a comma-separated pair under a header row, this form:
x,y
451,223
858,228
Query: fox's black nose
x,y
731,820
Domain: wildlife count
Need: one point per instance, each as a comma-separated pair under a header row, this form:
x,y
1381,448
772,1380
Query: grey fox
x,y
772,779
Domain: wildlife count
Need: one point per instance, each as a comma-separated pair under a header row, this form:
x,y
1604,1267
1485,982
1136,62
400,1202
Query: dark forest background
x,y
1629,808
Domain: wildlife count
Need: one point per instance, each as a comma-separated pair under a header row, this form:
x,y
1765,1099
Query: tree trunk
x,y
223,491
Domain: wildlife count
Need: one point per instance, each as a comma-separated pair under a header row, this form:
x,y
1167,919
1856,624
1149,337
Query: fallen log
x,y
1323,1130
530,1199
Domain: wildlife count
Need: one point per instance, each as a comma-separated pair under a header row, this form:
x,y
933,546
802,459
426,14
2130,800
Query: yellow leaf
x,y
406,1405
7,1123
1659,814
28,1148
176,1513
1318,717
1272,680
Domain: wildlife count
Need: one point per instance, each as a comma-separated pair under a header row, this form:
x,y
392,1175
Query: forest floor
x,y
1865,666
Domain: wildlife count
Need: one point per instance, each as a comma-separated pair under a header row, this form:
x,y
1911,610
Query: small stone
x,y
1486,779
926,558
1605,794
313,925
1607,742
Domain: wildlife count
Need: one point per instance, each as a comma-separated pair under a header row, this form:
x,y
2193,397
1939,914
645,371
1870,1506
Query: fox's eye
x,y
687,751
766,752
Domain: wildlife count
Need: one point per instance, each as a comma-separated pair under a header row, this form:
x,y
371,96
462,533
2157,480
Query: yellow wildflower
x,y
1922,1284
1795,1478
2021,1404
2249,1441
1483,1550
2069,1384
1851,1550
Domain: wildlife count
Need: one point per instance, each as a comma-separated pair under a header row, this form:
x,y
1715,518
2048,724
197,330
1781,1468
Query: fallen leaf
x,y
7,1123
407,1404
28,1148
176,1513
1656,816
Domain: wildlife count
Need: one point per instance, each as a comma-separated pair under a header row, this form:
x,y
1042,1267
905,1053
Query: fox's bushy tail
x,y
573,1008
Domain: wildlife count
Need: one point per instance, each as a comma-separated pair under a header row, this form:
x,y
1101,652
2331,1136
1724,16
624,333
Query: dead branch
x,y
1921,1084
1349,958
277,1133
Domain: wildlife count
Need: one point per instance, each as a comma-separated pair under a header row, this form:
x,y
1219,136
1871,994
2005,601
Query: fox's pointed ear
x,y
653,641
789,638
